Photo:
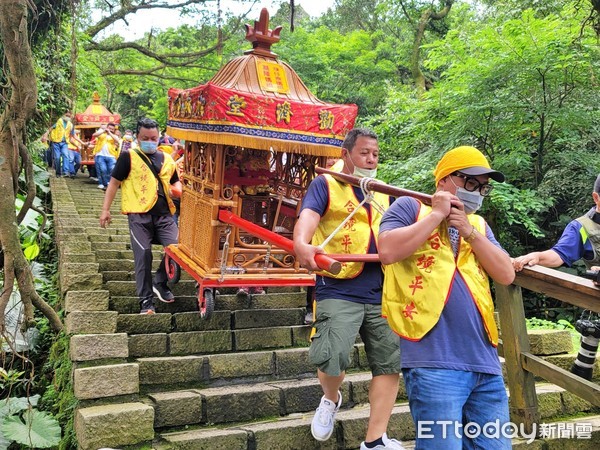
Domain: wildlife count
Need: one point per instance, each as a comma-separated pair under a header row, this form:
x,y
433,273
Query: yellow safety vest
x,y
168,149
416,289
103,139
355,237
60,132
139,191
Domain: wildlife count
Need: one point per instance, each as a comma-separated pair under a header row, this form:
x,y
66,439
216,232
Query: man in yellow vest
x,y
106,152
349,304
436,296
60,134
74,156
148,179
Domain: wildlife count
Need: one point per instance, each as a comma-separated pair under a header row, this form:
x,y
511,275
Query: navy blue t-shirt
x,y
458,341
364,288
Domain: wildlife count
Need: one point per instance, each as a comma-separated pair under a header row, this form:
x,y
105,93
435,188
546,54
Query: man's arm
x,y
98,132
78,140
109,196
547,258
175,190
494,260
399,243
303,233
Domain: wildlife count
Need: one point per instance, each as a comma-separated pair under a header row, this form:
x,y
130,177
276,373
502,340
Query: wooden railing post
x,y
521,383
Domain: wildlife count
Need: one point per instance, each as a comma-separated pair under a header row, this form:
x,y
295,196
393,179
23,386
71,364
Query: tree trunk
x,y
415,60
19,108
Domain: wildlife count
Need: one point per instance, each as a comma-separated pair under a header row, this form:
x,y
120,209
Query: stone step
x,y
128,289
102,238
121,246
249,402
292,429
131,305
129,275
103,254
93,229
220,320
163,373
124,299
207,342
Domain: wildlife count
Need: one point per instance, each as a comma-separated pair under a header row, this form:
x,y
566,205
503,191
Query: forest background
x,y
518,79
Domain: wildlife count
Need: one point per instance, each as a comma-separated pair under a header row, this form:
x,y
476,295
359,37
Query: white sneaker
x,y
388,444
324,419
100,186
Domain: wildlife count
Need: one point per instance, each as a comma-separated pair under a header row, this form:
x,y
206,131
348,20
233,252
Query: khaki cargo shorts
x,y
338,323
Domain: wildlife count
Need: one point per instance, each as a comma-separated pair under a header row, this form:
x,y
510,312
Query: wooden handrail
x,y
562,286
521,365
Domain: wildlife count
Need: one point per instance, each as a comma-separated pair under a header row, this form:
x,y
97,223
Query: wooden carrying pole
x,y
376,186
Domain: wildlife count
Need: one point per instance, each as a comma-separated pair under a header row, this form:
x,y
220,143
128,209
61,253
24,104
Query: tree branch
x,y
163,58
130,7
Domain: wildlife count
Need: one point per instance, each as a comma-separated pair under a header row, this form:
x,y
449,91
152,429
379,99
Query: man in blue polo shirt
x,y
349,303
579,240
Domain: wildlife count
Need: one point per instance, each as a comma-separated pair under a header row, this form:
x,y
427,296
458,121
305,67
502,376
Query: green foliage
x,y
513,211
59,398
22,423
520,91
340,67
33,428
10,379
561,324
542,324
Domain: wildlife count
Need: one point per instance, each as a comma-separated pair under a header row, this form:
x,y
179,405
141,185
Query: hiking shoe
x,y
163,293
324,419
388,444
147,306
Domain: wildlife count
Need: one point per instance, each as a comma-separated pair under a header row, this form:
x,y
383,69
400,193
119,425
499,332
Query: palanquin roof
x,y
257,101
95,114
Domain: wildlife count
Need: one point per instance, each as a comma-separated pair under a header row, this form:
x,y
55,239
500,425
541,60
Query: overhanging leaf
x,y
12,405
3,442
40,429
31,251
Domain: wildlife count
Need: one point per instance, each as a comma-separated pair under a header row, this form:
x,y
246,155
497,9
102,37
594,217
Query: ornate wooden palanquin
x,y
89,121
253,136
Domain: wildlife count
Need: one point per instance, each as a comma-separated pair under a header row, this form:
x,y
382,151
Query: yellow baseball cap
x,y
467,160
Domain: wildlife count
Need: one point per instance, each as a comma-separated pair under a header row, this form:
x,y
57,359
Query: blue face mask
x,y
148,146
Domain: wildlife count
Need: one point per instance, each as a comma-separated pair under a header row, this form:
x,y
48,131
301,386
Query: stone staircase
x,y
240,380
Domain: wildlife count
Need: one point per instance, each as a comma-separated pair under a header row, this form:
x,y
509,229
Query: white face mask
x,y
471,200
369,173
360,172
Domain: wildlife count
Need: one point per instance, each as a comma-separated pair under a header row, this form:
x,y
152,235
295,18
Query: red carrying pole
x,y
324,262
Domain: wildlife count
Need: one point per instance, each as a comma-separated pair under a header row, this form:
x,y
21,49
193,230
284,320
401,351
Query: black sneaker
x,y
163,293
147,306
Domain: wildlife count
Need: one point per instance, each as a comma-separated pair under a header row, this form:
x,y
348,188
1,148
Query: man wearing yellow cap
x,y
436,297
